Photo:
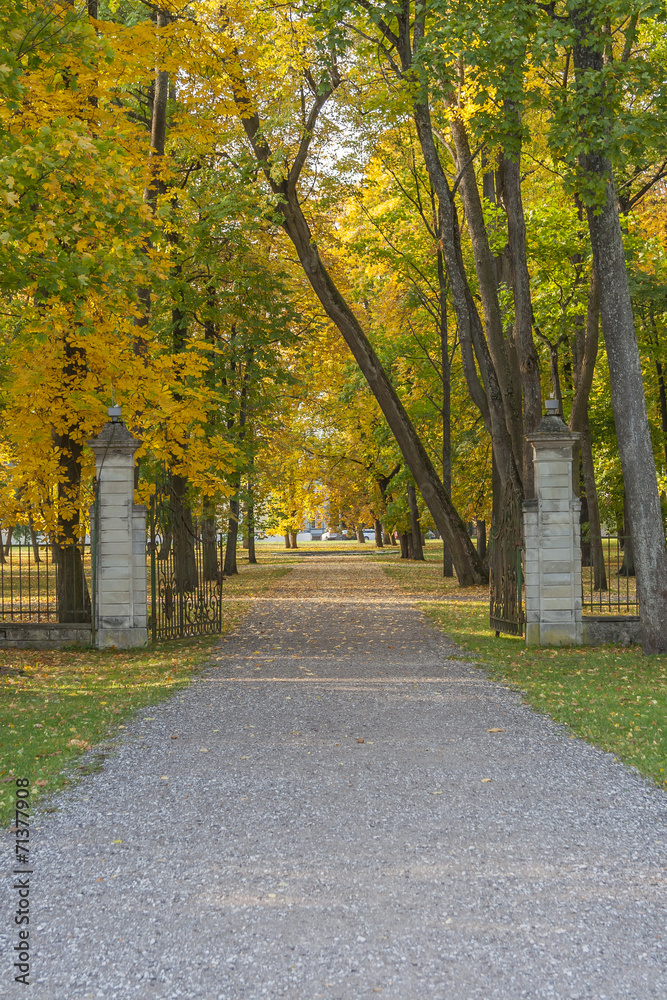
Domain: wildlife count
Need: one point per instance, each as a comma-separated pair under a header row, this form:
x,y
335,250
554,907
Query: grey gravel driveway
x,y
336,820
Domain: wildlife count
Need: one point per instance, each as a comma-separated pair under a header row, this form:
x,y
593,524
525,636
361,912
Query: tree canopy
x,y
323,252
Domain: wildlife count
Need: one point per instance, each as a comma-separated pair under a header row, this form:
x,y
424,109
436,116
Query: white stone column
x,y
552,563
119,541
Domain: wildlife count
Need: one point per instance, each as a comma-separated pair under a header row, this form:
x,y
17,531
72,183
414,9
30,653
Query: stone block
x,y
112,561
114,509
532,633
116,473
114,612
556,615
549,505
107,524
555,634
553,472
557,580
115,487
121,637
114,572
554,555
555,592
561,493
550,604
114,535
115,590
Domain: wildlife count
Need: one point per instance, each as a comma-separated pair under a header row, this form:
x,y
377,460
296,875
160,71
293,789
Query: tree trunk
x,y
210,568
663,405
293,539
185,561
584,356
446,410
499,412
469,569
231,568
405,547
417,550
287,541
250,524
360,535
468,566
379,544
597,548
73,598
481,538
523,309
8,544
627,387
71,588
628,566
33,540
159,96
499,360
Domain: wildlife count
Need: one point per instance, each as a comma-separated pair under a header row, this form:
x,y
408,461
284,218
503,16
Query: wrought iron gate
x,y
505,568
185,569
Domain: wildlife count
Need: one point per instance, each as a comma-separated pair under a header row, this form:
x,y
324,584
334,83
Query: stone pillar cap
x,y
114,436
553,429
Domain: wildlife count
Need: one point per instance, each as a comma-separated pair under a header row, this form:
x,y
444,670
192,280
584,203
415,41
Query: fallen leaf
x,y
435,793
116,841
41,782
203,750
164,777
359,740
175,736
271,895
486,779
496,730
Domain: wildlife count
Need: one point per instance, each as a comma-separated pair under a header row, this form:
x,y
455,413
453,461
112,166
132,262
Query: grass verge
x,y
57,704
611,696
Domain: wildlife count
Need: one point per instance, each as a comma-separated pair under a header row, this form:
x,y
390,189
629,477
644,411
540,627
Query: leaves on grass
x,y
64,702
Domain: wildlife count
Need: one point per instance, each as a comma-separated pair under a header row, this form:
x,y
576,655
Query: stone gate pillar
x,y
118,534
552,565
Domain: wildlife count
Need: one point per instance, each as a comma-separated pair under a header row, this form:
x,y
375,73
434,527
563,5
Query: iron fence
x,y
185,564
609,585
42,583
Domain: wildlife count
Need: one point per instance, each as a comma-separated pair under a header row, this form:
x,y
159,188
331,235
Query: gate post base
x,y
121,638
557,634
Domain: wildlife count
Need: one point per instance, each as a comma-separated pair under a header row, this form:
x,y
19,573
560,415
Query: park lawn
x,y
611,696
57,704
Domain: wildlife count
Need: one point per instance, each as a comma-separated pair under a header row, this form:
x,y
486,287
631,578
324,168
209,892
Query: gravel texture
x,y
336,820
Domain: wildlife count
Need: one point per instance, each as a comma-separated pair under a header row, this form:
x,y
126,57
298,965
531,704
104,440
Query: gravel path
x,y
337,820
